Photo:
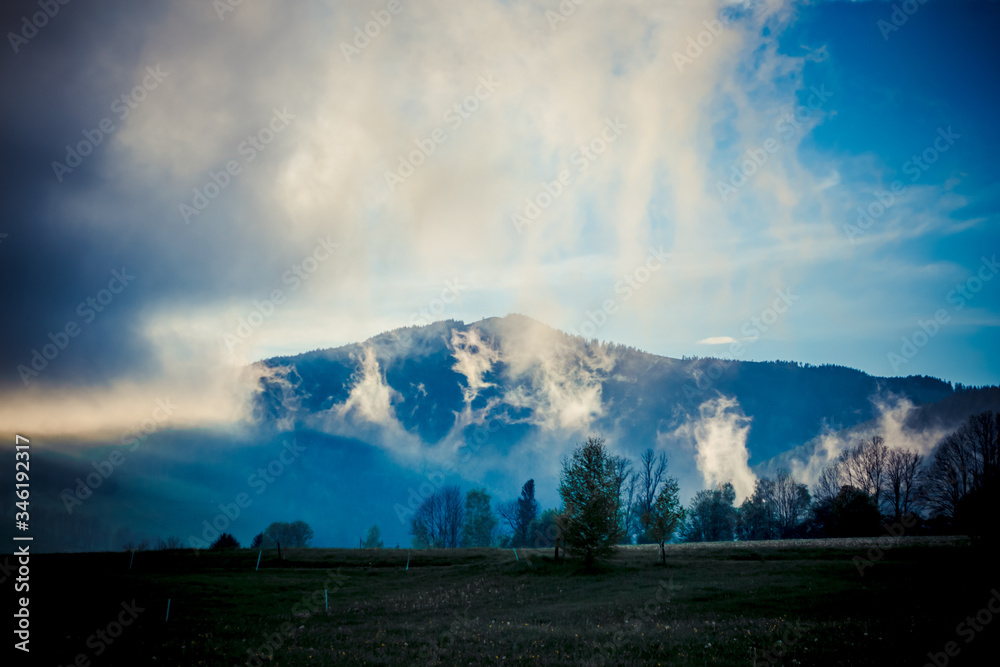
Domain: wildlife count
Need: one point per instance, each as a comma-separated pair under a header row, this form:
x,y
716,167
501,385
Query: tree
x,y
169,543
712,517
665,516
864,467
518,514
373,540
791,502
904,471
544,531
439,520
853,513
828,485
651,474
756,519
625,487
289,535
480,522
591,521
258,541
961,481
225,541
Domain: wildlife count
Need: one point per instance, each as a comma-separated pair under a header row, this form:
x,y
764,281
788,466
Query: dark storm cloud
x,y
68,231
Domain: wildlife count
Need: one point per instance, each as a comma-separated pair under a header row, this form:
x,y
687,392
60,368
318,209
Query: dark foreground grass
x,y
792,603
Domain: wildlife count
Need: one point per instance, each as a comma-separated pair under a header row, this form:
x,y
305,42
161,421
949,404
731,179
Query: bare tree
x,y
439,520
903,472
625,487
652,473
790,502
650,476
965,461
864,467
829,483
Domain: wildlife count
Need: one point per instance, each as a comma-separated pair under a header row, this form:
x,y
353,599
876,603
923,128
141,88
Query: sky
x,y
191,186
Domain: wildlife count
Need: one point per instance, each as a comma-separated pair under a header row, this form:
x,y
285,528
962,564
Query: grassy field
x,y
791,603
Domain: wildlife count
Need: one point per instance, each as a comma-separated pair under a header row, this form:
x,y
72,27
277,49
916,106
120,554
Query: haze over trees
x,y
480,522
608,499
777,509
519,513
373,539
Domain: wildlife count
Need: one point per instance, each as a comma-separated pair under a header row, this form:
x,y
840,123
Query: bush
x,y
225,541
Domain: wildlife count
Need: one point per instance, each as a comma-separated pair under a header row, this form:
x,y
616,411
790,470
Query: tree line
x,y
608,500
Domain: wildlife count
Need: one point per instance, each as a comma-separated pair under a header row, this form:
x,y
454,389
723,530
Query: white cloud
x,y
716,340
720,435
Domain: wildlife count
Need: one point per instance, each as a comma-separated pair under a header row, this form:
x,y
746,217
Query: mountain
x,y
541,390
347,437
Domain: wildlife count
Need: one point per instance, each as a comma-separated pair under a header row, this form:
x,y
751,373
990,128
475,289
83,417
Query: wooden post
x,y
279,550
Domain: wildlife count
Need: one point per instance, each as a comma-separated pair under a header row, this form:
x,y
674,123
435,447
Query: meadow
x,y
799,602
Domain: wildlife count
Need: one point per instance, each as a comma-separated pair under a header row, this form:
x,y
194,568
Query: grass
x,y
721,604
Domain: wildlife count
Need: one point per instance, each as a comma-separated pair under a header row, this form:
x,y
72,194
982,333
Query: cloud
x,y
893,421
720,434
474,358
716,340
551,95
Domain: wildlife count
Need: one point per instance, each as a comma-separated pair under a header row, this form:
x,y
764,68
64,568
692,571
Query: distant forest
x,y
869,490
